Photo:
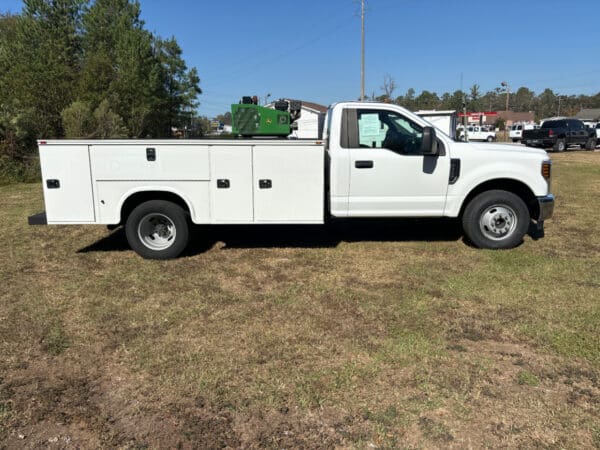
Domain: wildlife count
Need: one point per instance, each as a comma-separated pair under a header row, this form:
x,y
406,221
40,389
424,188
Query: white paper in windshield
x,y
369,125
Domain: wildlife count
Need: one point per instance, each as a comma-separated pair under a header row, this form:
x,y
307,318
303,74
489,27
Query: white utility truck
x,y
375,160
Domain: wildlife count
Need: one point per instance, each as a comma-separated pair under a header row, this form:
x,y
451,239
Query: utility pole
x,y
362,53
464,107
507,87
558,114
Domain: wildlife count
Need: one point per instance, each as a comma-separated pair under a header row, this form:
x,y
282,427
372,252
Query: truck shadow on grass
x,y
204,238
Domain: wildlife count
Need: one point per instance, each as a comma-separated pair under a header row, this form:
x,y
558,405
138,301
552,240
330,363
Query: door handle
x,y
265,184
223,184
151,154
53,184
363,164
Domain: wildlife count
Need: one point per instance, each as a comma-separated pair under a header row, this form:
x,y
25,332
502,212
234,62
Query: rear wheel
x,y
490,139
590,144
560,145
496,220
157,229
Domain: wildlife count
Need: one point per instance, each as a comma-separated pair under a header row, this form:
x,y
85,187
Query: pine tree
x,y
45,64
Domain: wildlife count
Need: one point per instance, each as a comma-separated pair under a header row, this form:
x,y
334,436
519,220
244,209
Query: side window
x,y
389,130
575,125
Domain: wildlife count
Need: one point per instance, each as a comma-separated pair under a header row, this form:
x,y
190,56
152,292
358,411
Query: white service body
x,y
97,177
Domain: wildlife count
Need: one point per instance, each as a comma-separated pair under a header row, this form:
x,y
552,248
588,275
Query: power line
x,y
308,28
282,55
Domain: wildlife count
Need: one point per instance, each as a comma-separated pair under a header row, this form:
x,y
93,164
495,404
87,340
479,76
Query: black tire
x,y
590,144
496,220
158,229
490,139
515,140
560,145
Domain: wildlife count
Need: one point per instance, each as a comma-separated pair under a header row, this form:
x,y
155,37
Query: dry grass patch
x,y
377,334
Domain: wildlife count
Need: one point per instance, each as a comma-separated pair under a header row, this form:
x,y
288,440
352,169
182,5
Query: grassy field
x,y
382,335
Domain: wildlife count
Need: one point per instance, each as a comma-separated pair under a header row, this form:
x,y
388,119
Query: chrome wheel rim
x,y
498,222
156,231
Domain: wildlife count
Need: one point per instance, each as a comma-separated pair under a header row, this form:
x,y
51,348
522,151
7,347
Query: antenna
x,y
464,108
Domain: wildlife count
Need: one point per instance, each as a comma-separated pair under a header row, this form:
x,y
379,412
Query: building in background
x,y
512,117
479,118
491,117
589,115
311,120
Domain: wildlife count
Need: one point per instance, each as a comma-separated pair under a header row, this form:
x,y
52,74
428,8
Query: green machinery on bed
x,y
251,119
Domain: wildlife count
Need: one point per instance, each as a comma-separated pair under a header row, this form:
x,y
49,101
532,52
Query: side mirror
x,y
429,144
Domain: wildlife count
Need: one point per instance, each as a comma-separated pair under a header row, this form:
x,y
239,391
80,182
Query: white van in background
x,y
516,131
476,133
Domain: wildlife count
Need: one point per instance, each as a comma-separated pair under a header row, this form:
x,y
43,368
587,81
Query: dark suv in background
x,y
558,134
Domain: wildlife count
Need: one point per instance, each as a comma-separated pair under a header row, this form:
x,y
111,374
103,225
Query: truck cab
x,y
378,155
384,162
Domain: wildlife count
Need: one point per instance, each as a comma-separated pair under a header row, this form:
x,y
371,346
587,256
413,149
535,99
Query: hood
x,y
503,148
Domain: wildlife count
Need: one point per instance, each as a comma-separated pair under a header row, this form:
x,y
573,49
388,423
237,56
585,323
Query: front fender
x,y
474,175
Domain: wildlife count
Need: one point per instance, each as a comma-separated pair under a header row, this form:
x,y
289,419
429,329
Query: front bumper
x,y
546,207
38,219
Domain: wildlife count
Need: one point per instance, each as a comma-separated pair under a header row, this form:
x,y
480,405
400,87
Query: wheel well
x,y
140,197
506,184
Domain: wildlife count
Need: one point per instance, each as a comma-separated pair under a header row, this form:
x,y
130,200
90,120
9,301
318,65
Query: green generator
x,y
250,119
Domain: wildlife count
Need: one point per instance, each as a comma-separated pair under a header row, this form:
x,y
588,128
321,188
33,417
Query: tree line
x,y
545,104
87,69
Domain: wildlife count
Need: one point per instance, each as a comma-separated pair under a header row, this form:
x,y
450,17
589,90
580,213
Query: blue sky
x,y
310,49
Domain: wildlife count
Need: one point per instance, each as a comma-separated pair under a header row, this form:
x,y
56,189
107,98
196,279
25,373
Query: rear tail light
x,y
547,169
550,133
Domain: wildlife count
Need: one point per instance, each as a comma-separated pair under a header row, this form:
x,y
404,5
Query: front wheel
x,y
157,229
496,220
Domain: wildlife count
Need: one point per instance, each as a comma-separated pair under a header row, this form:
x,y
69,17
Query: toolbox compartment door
x,y
289,184
231,184
67,183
